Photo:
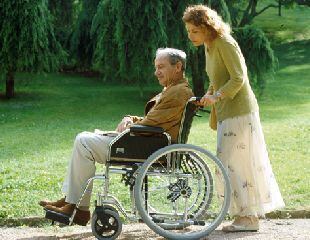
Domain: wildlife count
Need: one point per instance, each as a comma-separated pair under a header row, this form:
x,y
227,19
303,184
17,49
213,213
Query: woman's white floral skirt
x,y
242,150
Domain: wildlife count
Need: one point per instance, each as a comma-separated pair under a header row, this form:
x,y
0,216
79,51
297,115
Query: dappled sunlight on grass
x,y
293,54
296,69
285,116
292,25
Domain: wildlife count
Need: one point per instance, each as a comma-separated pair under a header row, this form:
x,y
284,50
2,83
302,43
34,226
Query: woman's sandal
x,y
243,224
240,228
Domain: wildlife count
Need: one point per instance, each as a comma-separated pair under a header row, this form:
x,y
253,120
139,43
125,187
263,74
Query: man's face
x,y
164,71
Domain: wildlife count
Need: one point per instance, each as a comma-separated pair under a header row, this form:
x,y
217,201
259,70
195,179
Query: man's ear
x,y
178,66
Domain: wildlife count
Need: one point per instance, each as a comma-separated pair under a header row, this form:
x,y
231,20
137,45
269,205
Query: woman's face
x,y
197,34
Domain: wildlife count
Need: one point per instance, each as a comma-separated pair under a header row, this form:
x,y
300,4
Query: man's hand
x,y
124,124
208,100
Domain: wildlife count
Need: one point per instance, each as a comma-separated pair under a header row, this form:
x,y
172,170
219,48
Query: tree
x,y
103,29
127,34
290,4
244,11
221,8
82,44
63,12
136,29
258,53
27,40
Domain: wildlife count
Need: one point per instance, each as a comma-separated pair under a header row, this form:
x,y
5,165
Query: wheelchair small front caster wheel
x,y
106,223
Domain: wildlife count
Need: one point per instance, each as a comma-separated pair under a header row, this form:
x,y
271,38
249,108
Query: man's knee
x,y
81,138
82,135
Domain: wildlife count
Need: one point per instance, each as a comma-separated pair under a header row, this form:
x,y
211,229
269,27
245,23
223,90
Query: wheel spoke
x,y
100,229
109,227
114,227
185,173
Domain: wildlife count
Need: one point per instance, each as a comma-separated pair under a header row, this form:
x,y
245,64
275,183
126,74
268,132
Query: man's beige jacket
x,y
165,109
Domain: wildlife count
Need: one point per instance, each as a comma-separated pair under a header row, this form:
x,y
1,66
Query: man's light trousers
x,y
88,148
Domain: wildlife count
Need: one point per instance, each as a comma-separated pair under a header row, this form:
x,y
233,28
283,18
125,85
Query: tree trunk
x,y
280,5
197,78
9,93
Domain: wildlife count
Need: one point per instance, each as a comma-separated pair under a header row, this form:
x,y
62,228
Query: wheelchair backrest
x,y
186,122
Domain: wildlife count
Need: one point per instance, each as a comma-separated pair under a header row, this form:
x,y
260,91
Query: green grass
x,y
37,128
285,107
291,26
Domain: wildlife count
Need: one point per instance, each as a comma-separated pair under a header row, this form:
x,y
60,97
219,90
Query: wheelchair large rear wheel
x,y
180,199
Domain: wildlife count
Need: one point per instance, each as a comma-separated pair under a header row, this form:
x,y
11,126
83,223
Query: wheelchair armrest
x,y
145,129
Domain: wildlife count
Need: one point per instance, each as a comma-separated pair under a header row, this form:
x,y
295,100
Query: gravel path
x,y
270,230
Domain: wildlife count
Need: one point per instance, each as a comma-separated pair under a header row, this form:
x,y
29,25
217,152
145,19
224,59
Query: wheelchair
x,y
179,190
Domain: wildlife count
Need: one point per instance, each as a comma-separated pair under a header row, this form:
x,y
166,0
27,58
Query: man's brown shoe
x,y
59,203
81,217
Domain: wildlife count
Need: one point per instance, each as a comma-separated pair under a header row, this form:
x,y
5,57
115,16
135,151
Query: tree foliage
x,y
128,33
126,48
82,44
258,53
221,8
63,12
119,38
27,39
105,51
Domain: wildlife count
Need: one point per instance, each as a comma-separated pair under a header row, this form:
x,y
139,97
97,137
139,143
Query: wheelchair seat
x,y
139,142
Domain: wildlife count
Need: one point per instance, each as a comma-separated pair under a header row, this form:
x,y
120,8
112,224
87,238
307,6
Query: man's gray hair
x,y
175,55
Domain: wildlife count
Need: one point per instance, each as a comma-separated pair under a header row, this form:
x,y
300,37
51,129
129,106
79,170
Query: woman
x,y
241,146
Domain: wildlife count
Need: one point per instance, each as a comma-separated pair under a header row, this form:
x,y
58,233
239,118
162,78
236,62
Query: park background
x,y
71,66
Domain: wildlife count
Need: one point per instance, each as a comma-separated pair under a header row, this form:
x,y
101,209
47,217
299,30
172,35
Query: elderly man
x,y
164,110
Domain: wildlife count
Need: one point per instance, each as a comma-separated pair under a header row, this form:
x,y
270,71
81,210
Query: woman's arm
x,y
235,64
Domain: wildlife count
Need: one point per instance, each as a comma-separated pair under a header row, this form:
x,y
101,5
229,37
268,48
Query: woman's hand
x,y
208,100
124,124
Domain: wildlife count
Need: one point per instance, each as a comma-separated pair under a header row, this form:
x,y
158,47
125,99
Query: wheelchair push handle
x,y
194,99
197,99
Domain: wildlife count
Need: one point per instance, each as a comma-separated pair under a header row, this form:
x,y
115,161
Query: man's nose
x,y
156,72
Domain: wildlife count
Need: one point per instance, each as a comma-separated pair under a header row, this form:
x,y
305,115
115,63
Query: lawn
x,y
37,128
291,26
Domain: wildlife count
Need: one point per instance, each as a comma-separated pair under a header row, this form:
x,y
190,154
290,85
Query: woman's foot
x,y
243,224
59,203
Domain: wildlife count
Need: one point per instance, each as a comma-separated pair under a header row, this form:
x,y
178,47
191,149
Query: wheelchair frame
x,y
138,170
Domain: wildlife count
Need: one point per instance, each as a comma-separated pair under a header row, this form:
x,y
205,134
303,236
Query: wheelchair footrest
x,y
58,217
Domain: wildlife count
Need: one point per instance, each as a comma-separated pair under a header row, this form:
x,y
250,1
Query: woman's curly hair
x,y
202,15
